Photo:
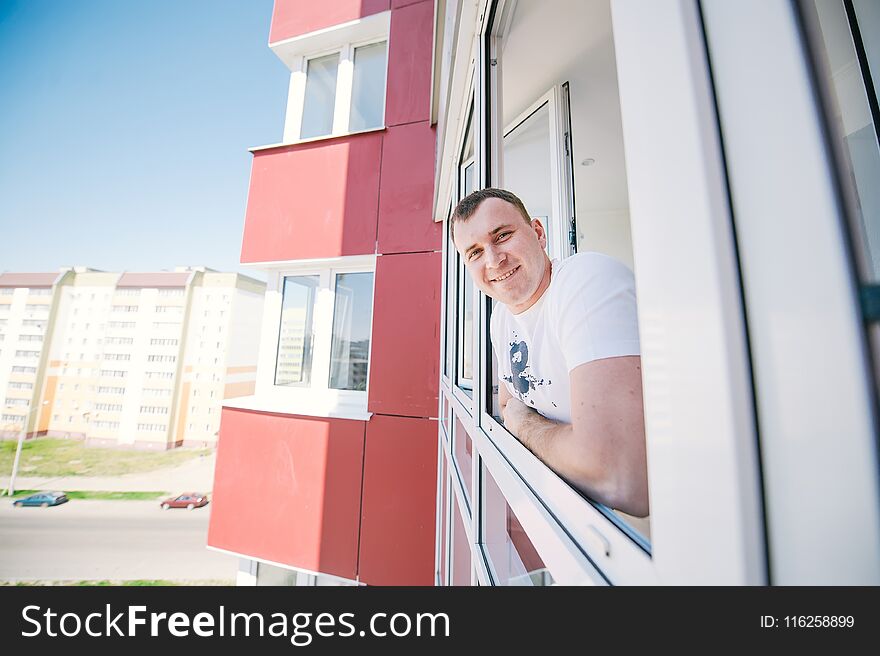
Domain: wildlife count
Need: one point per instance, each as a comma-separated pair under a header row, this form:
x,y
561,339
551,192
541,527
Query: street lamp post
x,y
21,437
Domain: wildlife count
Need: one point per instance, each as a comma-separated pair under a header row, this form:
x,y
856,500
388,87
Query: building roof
x,y
28,279
156,279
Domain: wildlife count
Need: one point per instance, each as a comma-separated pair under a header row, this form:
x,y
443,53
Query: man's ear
x,y
538,227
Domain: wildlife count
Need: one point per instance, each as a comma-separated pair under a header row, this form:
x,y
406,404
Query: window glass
x,y
463,452
368,87
444,520
451,304
320,96
271,575
293,365
352,319
527,167
461,549
512,557
849,46
466,328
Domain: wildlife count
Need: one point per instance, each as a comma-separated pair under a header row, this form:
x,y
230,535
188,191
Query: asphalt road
x,y
115,540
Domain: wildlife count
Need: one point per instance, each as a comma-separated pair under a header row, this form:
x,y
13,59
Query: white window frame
x,y
558,235
342,39
316,398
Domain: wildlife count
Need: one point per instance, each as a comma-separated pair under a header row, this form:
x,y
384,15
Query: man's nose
x,y
494,257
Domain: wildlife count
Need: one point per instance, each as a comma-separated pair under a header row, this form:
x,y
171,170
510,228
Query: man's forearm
x,y
556,445
541,435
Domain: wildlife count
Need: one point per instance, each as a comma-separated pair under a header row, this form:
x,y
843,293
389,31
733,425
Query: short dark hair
x,y
469,204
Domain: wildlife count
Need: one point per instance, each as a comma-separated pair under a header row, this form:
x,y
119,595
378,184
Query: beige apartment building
x,y
141,360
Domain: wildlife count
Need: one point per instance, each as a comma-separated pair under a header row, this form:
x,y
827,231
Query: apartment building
x,y
140,360
341,431
28,307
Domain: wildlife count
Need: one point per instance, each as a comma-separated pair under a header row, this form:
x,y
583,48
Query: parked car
x,y
42,499
188,500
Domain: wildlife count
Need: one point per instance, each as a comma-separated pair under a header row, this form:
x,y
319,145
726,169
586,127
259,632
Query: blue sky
x,y
124,129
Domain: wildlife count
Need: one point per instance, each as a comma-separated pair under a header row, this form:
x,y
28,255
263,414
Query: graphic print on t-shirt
x,y
521,377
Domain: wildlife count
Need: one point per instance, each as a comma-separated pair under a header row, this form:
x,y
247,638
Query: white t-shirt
x,y
587,313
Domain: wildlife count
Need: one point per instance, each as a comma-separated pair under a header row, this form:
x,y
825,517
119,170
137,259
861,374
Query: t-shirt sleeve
x,y
596,310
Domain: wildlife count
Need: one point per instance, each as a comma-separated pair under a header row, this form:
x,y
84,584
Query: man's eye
x,y
504,235
474,254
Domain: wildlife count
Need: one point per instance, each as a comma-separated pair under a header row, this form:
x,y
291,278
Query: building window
x,y
352,320
344,91
320,96
368,87
293,364
338,78
324,329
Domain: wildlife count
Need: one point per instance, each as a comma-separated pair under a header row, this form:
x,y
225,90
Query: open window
x,y
554,114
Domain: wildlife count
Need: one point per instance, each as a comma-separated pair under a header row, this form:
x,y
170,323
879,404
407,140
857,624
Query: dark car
x,y
42,499
188,500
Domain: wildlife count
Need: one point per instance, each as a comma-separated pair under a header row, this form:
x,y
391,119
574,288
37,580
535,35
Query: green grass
x,y
135,582
103,496
54,457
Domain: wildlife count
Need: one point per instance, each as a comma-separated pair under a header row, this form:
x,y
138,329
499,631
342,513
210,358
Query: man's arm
x,y
602,451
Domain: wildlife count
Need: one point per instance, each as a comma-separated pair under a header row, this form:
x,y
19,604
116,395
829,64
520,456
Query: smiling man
x,y
566,338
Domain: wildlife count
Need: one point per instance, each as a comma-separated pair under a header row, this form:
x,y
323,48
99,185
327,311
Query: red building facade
x,y
340,437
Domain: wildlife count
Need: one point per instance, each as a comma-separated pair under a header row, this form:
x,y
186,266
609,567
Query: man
x,y
566,338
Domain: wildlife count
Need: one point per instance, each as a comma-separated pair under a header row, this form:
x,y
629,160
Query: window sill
x,y
304,408
326,137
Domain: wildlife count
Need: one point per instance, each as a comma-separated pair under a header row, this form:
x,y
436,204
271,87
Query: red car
x,y
188,500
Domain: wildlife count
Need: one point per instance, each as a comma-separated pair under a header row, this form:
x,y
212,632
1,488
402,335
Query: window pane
x,y
465,327
468,180
451,255
352,319
461,549
444,520
368,87
293,365
463,456
527,167
270,575
512,556
320,99
494,405
850,48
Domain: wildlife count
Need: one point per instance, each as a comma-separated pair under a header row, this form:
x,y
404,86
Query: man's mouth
x,y
505,276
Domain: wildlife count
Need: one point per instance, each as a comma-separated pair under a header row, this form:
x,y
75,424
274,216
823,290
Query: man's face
x,y
504,254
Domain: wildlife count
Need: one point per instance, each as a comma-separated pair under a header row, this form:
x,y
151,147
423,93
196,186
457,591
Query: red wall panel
x,y
406,190
287,489
409,64
399,508
405,354
294,17
313,200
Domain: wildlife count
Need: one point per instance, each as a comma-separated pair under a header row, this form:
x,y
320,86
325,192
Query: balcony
x,y
355,499
313,199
